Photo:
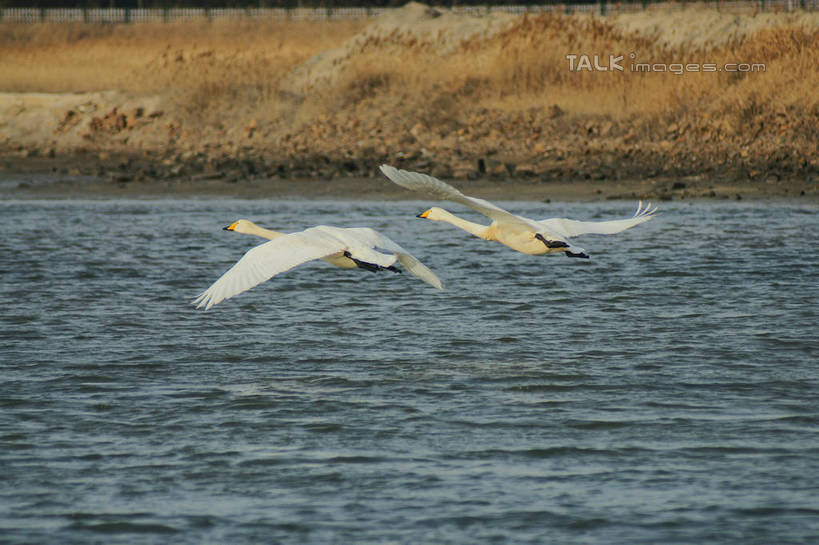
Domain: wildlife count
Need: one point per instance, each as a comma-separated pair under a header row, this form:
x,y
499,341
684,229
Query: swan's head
x,y
241,226
434,213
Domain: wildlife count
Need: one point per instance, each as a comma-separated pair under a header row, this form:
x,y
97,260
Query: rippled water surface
x,y
664,391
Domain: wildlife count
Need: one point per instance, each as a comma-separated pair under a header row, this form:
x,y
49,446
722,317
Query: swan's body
x,y
525,235
346,248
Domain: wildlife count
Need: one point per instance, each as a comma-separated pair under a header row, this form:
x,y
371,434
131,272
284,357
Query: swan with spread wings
x,y
345,248
525,235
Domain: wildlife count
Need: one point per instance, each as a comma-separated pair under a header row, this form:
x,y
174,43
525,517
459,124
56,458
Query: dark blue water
x,y
664,391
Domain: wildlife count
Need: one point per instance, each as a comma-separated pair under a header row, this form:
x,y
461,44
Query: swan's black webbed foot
x,y
366,266
551,243
361,264
579,254
372,267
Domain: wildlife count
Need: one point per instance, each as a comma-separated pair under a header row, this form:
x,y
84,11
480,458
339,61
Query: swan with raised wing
x,y
525,235
346,248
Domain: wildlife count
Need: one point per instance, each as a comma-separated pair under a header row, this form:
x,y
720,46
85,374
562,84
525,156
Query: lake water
x,y
664,391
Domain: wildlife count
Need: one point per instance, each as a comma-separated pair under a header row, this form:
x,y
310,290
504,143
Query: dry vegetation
x,y
201,66
493,105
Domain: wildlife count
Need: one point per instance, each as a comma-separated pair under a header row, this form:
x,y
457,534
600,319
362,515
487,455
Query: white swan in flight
x,y
519,233
346,248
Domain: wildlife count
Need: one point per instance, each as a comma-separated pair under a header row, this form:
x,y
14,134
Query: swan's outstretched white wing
x,y
572,228
282,254
374,239
266,261
434,187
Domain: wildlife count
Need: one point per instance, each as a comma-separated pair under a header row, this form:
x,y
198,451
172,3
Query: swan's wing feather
x,y
571,228
416,181
265,261
371,237
419,270
360,246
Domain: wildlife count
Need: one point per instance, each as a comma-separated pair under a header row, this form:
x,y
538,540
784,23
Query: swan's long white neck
x,y
480,231
254,229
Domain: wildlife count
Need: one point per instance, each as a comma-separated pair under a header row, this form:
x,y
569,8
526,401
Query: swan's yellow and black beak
x,y
423,214
230,227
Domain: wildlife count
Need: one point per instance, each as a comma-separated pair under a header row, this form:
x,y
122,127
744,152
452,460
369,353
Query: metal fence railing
x,y
127,15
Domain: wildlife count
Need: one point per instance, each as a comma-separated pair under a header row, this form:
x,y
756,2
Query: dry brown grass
x,y
526,67
230,72
208,69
